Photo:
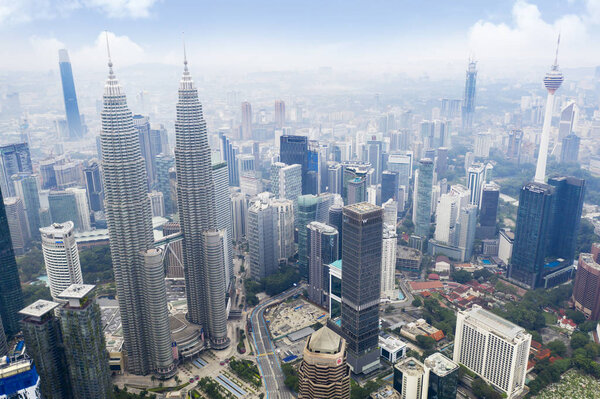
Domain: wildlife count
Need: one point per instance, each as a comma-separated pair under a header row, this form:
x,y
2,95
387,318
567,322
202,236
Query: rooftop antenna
x,y
185,67
557,46
110,64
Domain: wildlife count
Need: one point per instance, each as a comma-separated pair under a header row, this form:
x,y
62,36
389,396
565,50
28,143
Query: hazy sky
x,y
436,38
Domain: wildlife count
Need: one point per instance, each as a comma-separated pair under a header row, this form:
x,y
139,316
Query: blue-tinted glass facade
x,y
70,96
11,297
569,194
294,149
389,186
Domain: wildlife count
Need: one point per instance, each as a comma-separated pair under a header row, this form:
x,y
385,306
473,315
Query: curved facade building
x,y
205,281
129,219
324,372
586,291
157,312
61,257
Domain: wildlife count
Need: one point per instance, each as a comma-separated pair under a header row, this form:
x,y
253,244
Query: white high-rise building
x,y
157,203
129,220
411,378
285,228
83,208
388,262
475,180
483,142
446,216
493,348
390,212
239,209
222,206
401,163
61,257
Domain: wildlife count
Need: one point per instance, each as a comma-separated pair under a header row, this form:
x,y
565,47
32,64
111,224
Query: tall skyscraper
x,y
468,108
310,208
552,82
43,339
229,154
198,215
239,209
515,139
388,262
389,186
142,125
493,348
223,211
424,187
14,159
534,220
475,180
361,285
17,222
246,128
84,344
467,223
61,257
488,213
569,152
335,219
129,220
70,96
279,113
324,372
285,228
27,188
163,182
294,150
63,207
261,233
586,291
83,208
567,120
322,249
569,195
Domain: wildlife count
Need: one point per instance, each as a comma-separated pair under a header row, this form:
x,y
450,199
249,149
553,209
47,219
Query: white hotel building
x,y
493,348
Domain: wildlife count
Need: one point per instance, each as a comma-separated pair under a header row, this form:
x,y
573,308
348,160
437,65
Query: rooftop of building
x,y
494,323
410,366
324,340
322,227
589,260
362,208
391,343
337,264
58,228
440,364
77,291
38,308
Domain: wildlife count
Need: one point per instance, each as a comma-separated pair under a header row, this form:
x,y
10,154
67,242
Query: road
x,y
268,362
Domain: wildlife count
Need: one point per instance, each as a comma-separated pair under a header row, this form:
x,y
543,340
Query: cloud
x,y
25,11
124,52
529,40
122,8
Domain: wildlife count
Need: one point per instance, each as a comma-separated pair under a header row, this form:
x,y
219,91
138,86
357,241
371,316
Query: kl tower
x,y
552,82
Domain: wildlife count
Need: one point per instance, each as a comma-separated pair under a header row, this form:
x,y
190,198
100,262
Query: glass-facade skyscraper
x,y
569,193
468,108
424,188
70,97
294,149
11,296
14,159
361,283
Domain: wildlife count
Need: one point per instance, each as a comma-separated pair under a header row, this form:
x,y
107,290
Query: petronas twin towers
x,y
137,264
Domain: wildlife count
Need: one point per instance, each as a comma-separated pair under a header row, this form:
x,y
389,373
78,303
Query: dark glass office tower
x,y
534,221
570,149
93,186
488,212
68,85
11,297
322,250
335,220
389,186
294,149
569,195
43,337
423,201
443,377
361,283
229,154
14,159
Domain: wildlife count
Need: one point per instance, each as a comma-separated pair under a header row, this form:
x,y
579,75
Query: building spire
x,y
556,56
185,63
110,64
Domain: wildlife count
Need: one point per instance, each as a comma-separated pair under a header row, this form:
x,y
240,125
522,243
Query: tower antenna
x,y
557,46
110,64
185,67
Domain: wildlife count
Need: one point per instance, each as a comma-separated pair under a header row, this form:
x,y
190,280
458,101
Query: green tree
x,y
576,316
579,340
462,276
588,326
557,347
417,302
33,292
425,342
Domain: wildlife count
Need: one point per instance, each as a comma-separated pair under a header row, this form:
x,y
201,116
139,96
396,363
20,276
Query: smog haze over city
x,y
315,199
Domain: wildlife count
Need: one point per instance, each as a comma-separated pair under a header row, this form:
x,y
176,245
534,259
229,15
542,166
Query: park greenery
x,y
247,371
291,376
440,317
123,394
363,392
213,389
274,284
